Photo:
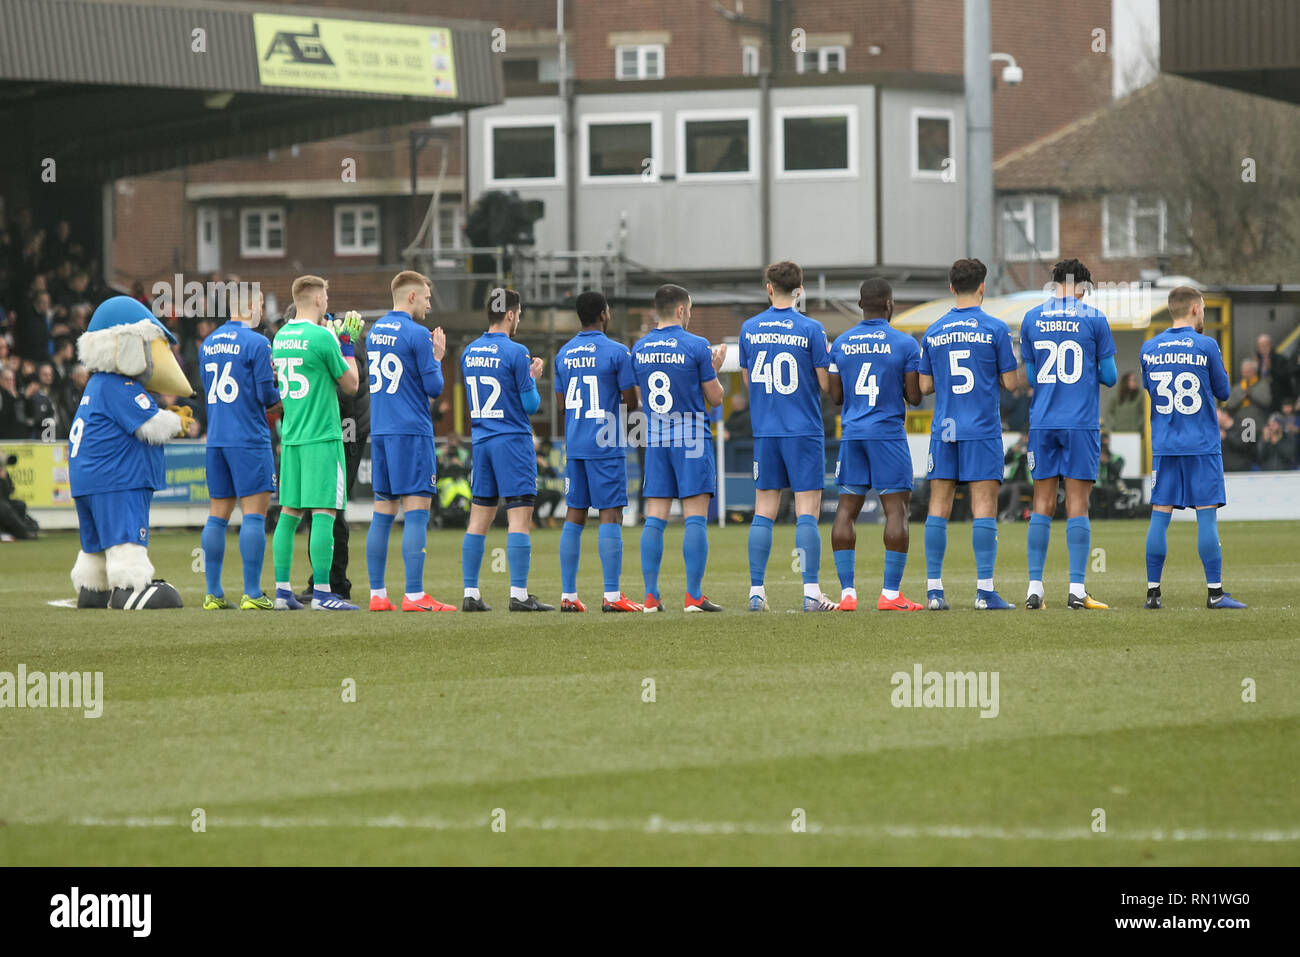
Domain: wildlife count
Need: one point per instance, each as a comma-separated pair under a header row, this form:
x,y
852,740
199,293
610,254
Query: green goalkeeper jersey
x,y
307,365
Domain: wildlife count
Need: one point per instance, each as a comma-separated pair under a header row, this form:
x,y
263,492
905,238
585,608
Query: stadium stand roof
x,y
1247,45
112,88
1125,308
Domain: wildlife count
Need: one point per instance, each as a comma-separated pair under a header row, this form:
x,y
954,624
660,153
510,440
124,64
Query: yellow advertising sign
x,y
322,54
40,475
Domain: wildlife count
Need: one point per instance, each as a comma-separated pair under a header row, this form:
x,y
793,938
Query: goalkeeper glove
x,y
348,329
187,418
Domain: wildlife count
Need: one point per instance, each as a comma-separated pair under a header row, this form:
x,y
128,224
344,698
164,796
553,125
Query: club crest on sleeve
x,y
142,401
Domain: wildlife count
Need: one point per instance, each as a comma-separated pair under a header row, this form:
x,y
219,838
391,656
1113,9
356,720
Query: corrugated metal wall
x,y
1207,35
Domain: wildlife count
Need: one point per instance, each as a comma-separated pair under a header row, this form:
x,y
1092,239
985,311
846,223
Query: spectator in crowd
x,y
1015,404
13,407
15,523
1275,369
1124,411
454,458
70,394
1277,450
1017,484
738,434
34,326
138,294
1287,415
550,483
1251,397
46,424
1111,490
1237,456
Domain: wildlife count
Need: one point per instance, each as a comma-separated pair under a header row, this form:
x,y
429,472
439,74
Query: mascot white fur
x,y
115,454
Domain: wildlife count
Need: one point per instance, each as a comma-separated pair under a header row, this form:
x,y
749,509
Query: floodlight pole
x,y
979,132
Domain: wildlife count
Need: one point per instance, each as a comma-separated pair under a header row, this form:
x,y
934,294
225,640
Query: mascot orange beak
x,y
164,375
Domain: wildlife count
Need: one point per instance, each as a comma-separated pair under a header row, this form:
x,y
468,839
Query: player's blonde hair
x,y
408,277
305,286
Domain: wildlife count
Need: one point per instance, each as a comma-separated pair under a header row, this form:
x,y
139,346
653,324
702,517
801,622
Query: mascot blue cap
x,y
126,338
124,311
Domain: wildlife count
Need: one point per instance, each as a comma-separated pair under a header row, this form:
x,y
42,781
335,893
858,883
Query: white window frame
x,y
357,248
620,119
1163,248
260,251
782,113
926,113
751,63
751,119
641,50
1026,201
493,123
457,214
823,59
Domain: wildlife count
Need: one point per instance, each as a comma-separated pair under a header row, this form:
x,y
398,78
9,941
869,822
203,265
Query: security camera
x,y
1012,75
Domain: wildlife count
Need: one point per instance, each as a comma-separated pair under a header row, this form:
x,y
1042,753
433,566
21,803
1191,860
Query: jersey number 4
x,y
866,384
573,397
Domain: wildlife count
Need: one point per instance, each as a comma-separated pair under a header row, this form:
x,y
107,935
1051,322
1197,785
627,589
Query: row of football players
x,y
872,370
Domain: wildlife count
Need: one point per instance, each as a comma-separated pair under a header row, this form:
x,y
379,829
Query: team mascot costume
x,y
115,454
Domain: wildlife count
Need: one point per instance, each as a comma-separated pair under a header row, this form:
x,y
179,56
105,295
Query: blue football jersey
x,y
591,372
103,453
239,382
1065,339
671,366
782,349
872,360
965,352
1183,370
404,376
495,370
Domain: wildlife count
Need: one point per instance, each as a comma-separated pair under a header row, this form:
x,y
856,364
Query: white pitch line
x,y
660,825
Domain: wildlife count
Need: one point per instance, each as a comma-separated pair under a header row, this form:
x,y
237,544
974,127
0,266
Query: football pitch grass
x,y
465,721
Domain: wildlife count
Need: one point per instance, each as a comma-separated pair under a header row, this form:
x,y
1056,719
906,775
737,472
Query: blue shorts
x,y
114,518
882,464
1065,453
402,465
236,471
796,462
1188,481
670,472
972,460
596,483
504,466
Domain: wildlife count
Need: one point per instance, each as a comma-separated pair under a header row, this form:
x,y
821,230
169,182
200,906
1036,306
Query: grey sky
x,y
1135,43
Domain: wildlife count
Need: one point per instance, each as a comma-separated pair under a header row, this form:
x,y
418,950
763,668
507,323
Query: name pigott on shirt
x,y
375,340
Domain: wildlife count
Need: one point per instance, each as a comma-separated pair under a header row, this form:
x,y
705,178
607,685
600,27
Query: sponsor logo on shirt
x,y
972,323
489,347
670,343
1180,342
590,347
868,335
782,323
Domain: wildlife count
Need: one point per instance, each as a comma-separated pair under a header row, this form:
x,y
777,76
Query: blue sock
x,y
984,540
471,558
252,552
895,562
809,542
1157,545
652,553
695,549
519,554
1207,544
1078,538
936,543
760,547
213,541
845,559
570,552
609,542
377,547
1040,536
415,532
